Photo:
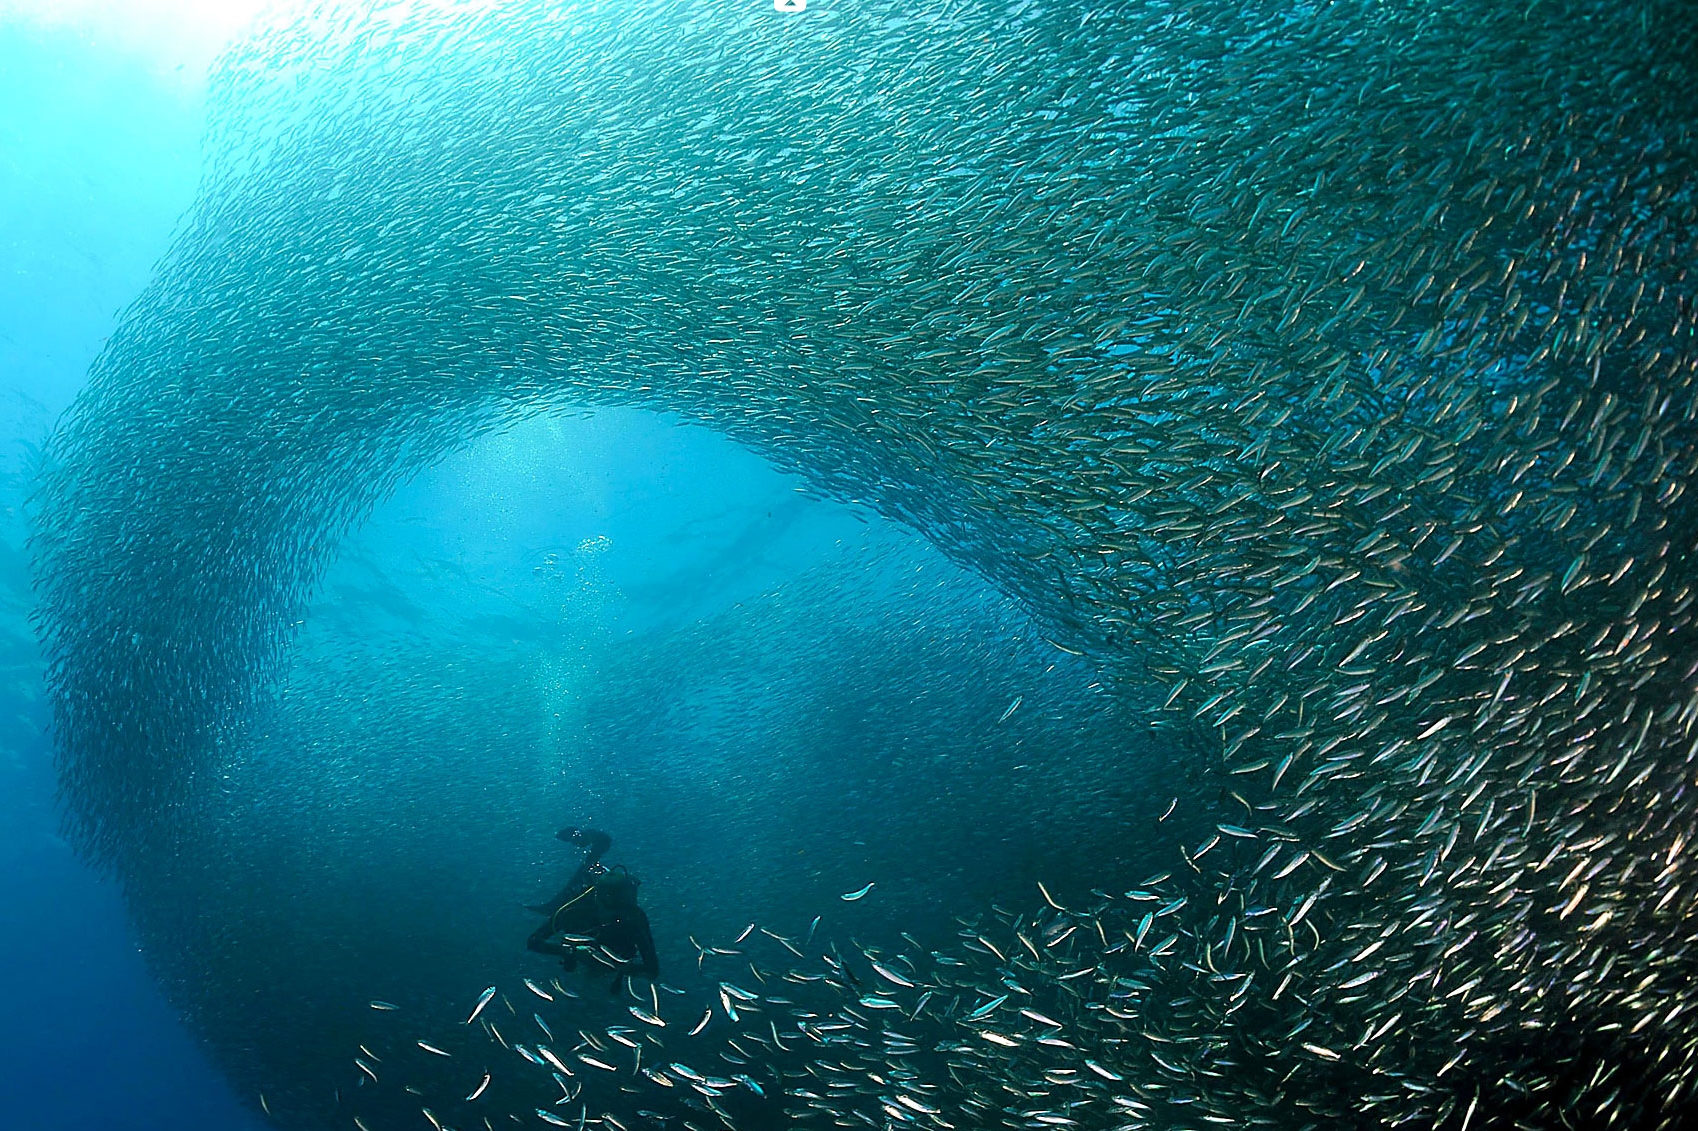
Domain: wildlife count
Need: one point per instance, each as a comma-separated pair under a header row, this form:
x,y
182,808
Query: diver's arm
x,y
580,882
645,943
572,898
541,943
595,842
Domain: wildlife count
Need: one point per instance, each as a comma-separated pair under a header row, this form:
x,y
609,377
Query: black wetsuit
x,y
620,933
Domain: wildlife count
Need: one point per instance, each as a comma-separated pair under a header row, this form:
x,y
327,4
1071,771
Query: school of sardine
x,y
1332,366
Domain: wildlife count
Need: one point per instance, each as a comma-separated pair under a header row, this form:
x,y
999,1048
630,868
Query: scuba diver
x,y
596,914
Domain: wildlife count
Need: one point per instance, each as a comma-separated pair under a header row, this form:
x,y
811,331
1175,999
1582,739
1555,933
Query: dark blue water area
x,y
91,1042
98,159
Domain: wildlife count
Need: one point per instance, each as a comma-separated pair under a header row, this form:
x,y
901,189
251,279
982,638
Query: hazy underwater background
x,y
1107,567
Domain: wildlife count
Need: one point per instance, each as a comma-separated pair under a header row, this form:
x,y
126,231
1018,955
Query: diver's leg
x,y
593,841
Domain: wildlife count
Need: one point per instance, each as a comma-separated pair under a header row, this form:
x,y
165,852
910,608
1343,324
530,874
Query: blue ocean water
x,y
99,155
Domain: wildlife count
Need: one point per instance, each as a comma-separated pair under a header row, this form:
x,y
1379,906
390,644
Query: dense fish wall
x,y
1331,366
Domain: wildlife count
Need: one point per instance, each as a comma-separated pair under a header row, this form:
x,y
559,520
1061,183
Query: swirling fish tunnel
x,y
1330,368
